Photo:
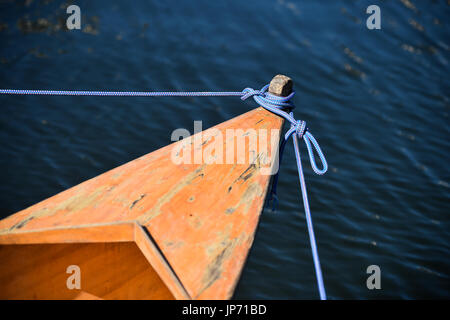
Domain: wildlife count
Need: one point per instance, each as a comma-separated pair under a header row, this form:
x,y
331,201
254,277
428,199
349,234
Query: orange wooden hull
x,y
149,229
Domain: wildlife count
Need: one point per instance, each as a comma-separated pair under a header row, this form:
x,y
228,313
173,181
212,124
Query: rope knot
x,y
269,101
250,92
282,106
300,128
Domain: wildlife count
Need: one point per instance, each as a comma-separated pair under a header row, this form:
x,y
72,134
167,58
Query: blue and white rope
x,y
278,105
298,129
121,93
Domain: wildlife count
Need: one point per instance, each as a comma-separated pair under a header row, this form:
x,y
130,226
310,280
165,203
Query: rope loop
x,y
268,100
299,128
309,138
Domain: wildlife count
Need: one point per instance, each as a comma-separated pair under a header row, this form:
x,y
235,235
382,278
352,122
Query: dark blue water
x,y
377,101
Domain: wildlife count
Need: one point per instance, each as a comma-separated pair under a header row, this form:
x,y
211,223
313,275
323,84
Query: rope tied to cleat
x,y
281,106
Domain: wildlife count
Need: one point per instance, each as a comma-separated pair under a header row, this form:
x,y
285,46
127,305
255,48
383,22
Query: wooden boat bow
x,y
149,229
